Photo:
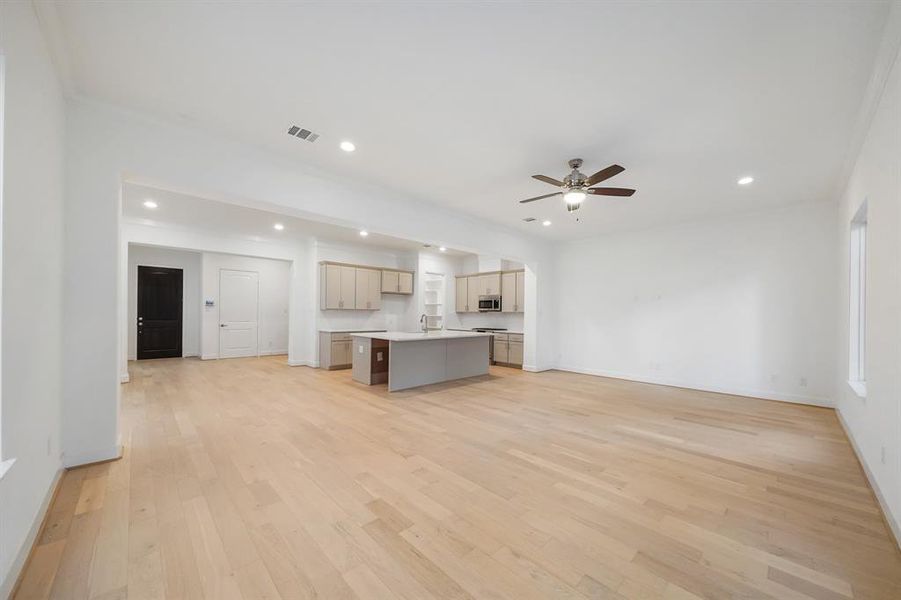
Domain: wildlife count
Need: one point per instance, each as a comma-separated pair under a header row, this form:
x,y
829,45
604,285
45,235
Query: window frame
x,y
857,295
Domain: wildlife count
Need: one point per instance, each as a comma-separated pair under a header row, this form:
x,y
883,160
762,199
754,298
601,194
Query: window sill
x,y
5,466
859,387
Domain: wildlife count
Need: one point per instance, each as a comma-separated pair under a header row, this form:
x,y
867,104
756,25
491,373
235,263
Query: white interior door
x,y
239,293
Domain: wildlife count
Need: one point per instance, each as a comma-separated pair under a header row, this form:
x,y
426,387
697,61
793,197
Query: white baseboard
x,y
95,456
751,393
534,369
209,356
304,363
124,377
893,523
15,569
274,352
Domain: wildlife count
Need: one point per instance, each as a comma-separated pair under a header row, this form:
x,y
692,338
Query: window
x,y
857,333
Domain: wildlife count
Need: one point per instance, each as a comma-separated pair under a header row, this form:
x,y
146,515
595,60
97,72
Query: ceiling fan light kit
x,y
576,186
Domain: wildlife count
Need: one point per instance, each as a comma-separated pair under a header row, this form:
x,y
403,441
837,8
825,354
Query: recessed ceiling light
x,y
150,204
546,223
364,233
278,226
348,146
745,180
442,249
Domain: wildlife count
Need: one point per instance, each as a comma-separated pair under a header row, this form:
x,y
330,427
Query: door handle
x,y
221,324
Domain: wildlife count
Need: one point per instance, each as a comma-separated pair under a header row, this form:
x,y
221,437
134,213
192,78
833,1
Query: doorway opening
x,y
159,321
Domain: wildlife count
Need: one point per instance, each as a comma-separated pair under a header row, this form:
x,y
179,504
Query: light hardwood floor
x,y
250,479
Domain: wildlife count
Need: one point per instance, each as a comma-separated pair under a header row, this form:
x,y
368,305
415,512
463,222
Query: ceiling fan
x,y
576,186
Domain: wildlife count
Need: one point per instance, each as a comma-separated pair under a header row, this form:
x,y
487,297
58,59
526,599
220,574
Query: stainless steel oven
x,y
489,303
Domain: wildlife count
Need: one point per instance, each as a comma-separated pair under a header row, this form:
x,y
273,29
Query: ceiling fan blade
x,y
604,174
549,180
540,197
604,191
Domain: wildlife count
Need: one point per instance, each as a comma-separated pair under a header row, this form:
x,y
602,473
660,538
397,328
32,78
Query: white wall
x,y
33,176
874,422
190,264
274,282
738,304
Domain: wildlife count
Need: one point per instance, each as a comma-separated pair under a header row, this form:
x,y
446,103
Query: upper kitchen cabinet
x,y
489,284
473,289
520,290
389,281
405,282
359,287
512,291
509,285
369,289
461,291
337,286
397,282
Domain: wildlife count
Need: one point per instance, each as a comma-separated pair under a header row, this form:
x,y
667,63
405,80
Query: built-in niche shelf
x,y
433,294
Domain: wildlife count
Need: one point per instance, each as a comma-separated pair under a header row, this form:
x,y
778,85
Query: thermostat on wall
x,y
210,303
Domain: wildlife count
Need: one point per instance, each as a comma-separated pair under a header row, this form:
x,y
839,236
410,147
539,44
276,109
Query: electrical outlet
x,y
803,382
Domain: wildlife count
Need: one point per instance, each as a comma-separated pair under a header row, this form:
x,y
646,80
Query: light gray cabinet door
x,y
375,289
369,289
472,294
340,354
514,353
508,292
389,281
491,284
405,283
501,351
462,298
348,286
520,291
331,282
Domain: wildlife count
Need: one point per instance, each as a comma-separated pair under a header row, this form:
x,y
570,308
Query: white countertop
x,y
491,332
404,336
357,330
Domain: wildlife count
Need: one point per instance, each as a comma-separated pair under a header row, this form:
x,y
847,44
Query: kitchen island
x,y
406,360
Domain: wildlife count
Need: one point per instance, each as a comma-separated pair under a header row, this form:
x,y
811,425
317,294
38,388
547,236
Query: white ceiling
x,y
183,210
459,103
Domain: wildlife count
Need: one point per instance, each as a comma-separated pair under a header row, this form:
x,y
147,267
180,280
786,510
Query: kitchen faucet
x,y
423,323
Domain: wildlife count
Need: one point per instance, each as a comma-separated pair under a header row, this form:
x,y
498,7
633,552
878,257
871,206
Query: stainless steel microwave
x,y
489,303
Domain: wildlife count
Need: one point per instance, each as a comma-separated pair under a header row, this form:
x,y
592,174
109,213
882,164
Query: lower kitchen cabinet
x,y
336,348
508,349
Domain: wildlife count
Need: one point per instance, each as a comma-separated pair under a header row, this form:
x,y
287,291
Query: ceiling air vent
x,y
529,219
304,134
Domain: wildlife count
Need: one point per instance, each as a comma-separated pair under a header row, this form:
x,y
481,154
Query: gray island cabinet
x,y
407,360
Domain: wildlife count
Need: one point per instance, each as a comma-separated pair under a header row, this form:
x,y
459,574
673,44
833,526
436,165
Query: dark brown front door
x,y
159,312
